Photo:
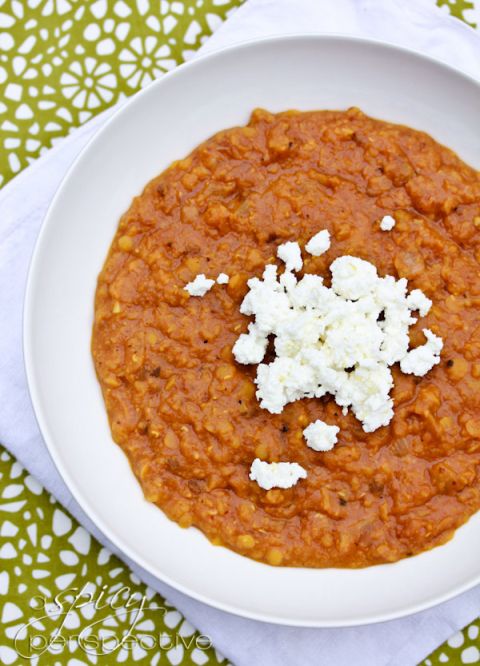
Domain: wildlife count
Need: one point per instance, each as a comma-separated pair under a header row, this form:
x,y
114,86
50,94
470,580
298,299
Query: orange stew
x,y
185,412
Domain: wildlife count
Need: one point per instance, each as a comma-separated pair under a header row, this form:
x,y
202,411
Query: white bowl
x,y
157,126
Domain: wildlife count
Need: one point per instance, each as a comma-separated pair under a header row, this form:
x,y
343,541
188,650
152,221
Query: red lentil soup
x,y
185,413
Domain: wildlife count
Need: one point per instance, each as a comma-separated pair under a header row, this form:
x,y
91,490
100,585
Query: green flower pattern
x,y
53,574
64,599
63,61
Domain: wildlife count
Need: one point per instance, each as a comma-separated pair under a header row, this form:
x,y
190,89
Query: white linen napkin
x,y
416,24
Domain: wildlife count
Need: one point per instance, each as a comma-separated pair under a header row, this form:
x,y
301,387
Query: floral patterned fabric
x,y
64,599
53,576
63,61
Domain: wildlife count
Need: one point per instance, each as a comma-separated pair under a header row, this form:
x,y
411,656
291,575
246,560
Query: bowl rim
x,y
29,356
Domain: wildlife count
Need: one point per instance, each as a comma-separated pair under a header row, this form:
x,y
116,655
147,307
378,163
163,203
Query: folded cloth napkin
x,y
416,24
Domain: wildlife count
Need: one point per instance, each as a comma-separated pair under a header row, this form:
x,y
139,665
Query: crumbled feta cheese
x,y
352,277
368,392
353,338
290,253
330,379
199,286
319,243
293,334
339,341
250,347
276,475
320,436
267,301
416,300
387,223
288,281
310,293
223,278
421,360
390,294
282,381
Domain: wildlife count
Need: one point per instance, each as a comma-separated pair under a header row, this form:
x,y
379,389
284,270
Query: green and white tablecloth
x,y
62,62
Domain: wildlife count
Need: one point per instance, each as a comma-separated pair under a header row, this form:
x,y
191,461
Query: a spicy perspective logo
x,y
100,622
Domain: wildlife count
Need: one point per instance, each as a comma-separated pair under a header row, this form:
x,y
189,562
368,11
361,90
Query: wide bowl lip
x,y
29,357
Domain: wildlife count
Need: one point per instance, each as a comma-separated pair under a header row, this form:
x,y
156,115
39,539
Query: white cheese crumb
x,y
290,253
416,300
199,286
282,381
391,295
320,436
276,475
250,347
339,341
353,277
223,278
368,392
319,243
387,223
421,360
